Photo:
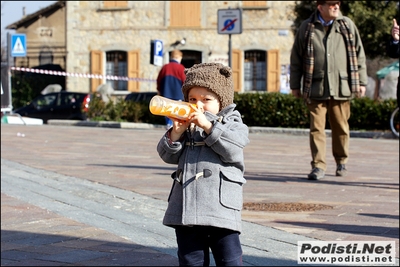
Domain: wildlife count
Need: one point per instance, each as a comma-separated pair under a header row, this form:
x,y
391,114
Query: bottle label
x,y
173,109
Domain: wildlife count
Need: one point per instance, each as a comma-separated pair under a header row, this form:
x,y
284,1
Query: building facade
x,y
114,38
45,36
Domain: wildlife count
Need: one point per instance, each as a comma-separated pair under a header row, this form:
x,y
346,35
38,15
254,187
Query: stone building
x,y
114,38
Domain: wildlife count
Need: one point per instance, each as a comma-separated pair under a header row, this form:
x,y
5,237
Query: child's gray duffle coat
x,y
207,186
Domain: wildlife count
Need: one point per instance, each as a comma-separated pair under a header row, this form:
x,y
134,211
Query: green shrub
x,y
368,114
272,110
121,110
257,109
26,86
101,111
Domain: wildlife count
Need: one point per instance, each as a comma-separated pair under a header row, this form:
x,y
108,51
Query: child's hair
x,y
213,76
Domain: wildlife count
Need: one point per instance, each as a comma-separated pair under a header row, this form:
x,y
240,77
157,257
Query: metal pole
x,y
9,70
230,51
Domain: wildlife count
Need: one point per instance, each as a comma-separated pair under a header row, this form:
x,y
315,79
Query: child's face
x,y
204,99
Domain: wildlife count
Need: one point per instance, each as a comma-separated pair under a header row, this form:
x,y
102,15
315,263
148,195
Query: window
x,y
254,70
45,56
116,65
97,62
190,57
185,14
45,101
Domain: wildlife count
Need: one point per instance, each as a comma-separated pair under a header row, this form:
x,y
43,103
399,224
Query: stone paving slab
x,y
22,243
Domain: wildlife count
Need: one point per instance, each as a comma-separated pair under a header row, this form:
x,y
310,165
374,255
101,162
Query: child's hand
x,y
178,128
200,120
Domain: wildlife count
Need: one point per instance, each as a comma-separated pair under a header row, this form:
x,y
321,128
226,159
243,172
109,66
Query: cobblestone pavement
x,y
363,206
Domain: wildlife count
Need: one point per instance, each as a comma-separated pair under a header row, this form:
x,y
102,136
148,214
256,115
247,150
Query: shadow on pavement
x,y
36,249
390,232
274,177
387,216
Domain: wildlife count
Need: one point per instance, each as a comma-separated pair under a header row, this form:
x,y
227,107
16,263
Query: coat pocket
x,y
344,88
231,189
317,86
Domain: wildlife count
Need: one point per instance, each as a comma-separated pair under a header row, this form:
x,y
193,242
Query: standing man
x,y
393,51
170,80
328,62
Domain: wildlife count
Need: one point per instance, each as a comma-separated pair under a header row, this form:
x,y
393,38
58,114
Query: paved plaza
x,y
78,195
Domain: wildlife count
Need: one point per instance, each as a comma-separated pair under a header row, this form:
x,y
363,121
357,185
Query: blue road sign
x,y
229,25
18,45
157,52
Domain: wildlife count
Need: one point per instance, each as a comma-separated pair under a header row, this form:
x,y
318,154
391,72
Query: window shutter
x,y
133,70
96,67
254,3
237,70
113,4
273,71
185,14
121,3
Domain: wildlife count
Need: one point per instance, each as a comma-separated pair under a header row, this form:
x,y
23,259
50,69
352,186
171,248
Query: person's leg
x,y
318,111
193,247
339,114
225,246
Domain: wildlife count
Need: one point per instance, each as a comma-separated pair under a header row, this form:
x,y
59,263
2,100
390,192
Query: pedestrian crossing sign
x,y
18,45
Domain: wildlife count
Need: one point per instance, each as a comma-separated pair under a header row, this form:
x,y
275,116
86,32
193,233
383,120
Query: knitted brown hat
x,y
213,76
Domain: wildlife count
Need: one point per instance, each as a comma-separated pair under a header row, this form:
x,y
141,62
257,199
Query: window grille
x,y
254,70
116,65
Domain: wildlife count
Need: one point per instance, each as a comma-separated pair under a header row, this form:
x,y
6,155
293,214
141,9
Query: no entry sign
x,y
229,21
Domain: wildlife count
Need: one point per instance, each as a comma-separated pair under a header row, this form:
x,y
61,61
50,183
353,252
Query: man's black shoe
x,y
316,174
341,170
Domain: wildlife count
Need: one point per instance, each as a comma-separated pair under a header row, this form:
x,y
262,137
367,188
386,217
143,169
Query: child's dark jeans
x,y
194,243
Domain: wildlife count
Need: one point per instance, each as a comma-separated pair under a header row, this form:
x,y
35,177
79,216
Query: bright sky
x,y
11,11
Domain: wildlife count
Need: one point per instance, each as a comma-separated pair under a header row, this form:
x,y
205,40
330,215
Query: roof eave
x,y
35,15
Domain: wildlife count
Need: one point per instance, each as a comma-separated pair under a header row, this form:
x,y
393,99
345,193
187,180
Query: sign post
x,y
16,47
230,22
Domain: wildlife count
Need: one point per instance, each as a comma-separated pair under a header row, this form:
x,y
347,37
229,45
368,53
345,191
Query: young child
x,y
206,198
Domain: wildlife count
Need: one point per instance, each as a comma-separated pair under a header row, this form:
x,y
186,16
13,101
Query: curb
x,y
253,129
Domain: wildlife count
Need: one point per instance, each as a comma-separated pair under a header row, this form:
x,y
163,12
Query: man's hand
x,y
363,89
361,93
395,30
296,93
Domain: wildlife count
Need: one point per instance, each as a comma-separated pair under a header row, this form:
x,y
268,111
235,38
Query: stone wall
x,y
46,34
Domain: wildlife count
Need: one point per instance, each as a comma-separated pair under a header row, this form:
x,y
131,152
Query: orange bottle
x,y
163,106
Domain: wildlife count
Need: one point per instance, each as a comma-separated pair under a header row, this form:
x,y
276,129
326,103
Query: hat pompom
x,y
226,71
